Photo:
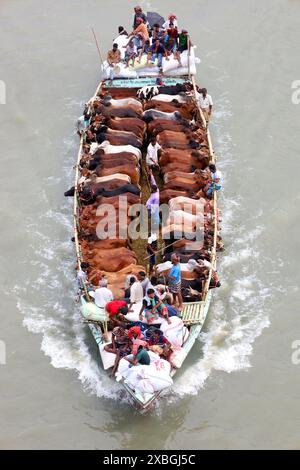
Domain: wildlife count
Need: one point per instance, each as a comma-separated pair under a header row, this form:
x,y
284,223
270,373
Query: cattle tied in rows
x,y
121,123
171,116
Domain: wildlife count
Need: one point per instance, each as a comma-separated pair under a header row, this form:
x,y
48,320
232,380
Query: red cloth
x,y
135,330
114,306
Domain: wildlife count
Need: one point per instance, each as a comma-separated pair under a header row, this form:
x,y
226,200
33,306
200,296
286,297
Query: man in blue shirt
x,y
174,278
158,51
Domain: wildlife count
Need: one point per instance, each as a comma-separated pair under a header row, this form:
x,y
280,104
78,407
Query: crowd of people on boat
x,y
155,303
154,42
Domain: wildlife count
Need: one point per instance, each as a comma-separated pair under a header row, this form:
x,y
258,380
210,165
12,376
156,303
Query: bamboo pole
x,y
98,48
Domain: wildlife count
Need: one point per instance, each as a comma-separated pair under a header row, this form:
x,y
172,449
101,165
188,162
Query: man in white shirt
x,y
136,290
152,154
205,103
103,295
144,280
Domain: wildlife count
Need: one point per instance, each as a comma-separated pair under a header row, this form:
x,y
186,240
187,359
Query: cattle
x,y
187,110
107,244
181,184
110,160
175,89
112,260
120,102
185,218
147,92
167,194
117,137
191,157
126,188
203,175
187,204
116,281
137,126
129,169
178,140
151,114
159,125
108,148
107,178
181,98
123,112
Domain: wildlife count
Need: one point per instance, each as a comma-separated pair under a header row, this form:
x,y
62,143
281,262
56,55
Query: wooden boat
x,y
193,313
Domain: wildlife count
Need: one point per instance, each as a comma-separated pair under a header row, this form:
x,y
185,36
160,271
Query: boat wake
x,y
239,311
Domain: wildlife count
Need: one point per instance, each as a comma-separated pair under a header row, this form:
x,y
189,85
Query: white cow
x,y
108,148
187,204
168,98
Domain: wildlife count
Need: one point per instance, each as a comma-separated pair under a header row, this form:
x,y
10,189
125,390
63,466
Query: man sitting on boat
x,y
113,58
153,309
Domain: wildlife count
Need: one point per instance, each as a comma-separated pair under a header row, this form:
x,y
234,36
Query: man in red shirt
x,y
115,307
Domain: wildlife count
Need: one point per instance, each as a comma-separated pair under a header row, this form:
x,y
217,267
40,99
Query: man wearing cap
x,y
205,103
172,18
138,13
184,42
102,295
113,58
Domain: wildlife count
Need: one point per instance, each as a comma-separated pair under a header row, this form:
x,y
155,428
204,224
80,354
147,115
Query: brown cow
x,y
128,169
111,260
109,160
192,157
178,140
118,137
155,129
167,194
187,110
108,244
122,112
137,126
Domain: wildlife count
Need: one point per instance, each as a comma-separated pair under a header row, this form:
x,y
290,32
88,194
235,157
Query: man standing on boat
x,y
152,154
113,58
174,278
205,103
138,13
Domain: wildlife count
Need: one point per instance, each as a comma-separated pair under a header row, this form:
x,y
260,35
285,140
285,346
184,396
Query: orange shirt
x,y
142,28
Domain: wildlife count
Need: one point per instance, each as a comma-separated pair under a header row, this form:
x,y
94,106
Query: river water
x,y
239,388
